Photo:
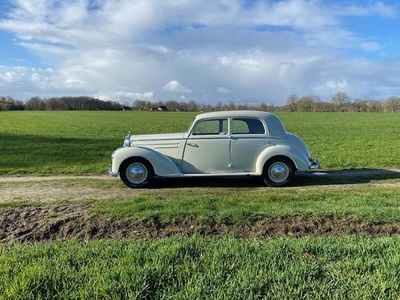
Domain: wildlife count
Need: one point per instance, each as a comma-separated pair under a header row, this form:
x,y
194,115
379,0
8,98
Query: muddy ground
x,y
74,219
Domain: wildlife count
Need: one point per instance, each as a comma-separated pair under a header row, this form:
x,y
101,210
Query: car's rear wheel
x,y
136,173
278,172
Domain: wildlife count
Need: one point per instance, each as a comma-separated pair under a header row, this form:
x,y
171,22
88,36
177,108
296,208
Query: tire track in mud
x,y
75,221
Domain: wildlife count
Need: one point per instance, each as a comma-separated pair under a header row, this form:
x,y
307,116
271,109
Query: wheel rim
x,y
137,173
278,172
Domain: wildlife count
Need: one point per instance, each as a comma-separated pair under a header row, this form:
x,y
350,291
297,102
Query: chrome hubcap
x,y
278,172
137,173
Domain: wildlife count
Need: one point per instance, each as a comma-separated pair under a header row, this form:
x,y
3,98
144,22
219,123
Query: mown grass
x,y
76,142
346,267
81,142
348,140
244,206
203,268
379,199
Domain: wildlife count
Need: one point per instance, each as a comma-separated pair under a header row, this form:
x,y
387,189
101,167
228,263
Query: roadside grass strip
x,y
203,268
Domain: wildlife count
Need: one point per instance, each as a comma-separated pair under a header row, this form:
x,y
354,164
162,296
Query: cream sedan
x,y
219,144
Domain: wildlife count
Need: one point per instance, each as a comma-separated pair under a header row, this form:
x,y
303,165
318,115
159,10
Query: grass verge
x,y
203,268
244,206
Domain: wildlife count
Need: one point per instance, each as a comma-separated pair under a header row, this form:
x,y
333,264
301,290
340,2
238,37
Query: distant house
x,y
160,108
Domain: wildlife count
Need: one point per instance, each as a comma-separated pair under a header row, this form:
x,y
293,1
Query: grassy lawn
x,y
227,267
349,140
244,206
195,267
73,142
203,268
80,142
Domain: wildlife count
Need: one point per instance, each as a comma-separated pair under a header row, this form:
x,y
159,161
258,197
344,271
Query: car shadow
x,y
345,176
312,178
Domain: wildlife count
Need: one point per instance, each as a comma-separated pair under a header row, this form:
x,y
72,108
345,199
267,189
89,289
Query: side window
x,y
247,126
214,127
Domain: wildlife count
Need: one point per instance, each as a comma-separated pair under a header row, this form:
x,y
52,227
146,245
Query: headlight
x,y
127,140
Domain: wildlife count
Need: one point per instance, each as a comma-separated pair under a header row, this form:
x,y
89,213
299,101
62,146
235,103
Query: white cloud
x,y
126,50
223,90
175,86
335,85
134,95
11,76
124,97
368,9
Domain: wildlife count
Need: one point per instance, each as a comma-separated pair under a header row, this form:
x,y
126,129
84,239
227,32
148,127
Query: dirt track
x,y
74,219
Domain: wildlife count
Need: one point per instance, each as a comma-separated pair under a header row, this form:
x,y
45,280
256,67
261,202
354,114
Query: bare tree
x,y
375,106
306,104
325,107
291,102
361,105
172,105
263,106
192,106
340,99
183,106
141,105
35,103
244,106
393,104
52,104
231,106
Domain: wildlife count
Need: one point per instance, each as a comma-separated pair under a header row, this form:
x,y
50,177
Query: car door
x,y
249,139
207,148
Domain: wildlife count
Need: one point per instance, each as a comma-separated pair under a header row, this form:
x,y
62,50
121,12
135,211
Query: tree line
x,y
59,103
340,102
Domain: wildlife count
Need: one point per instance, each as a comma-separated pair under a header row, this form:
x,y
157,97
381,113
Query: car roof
x,y
275,126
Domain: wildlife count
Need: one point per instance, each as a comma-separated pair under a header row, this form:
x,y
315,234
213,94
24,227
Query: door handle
x,y
193,145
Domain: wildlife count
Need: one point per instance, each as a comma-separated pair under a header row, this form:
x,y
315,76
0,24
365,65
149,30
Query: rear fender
x,y
162,165
299,159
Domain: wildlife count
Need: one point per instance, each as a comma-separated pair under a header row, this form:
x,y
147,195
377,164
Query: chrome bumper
x,y
314,164
111,172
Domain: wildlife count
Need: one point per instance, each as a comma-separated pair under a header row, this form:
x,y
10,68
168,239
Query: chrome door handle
x,y
193,145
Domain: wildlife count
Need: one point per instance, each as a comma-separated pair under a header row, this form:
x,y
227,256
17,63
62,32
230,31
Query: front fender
x,y
300,160
162,165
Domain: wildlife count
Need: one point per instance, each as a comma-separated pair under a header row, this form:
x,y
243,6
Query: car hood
x,y
157,137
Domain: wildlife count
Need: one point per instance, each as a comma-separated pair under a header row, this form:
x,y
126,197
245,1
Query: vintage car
x,y
220,144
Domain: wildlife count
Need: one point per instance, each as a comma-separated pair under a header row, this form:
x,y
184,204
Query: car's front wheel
x,y
278,172
136,173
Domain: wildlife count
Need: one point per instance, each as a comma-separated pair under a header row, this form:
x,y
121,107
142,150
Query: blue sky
x,y
242,51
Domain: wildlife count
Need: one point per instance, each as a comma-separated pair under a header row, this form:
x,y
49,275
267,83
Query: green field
x,y
335,238
198,268
80,142
73,142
